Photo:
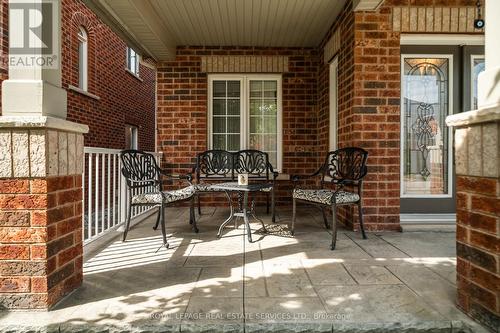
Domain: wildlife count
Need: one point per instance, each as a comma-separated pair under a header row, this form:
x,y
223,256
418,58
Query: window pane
x,y
269,124
270,89
233,88
233,106
233,142
219,141
219,125
255,89
269,107
256,125
256,142
233,125
255,106
425,155
219,88
270,142
478,67
219,106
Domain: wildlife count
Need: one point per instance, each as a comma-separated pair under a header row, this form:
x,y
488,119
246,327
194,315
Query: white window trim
x,y
134,136
450,130
471,78
83,59
441,39
333,98
245,109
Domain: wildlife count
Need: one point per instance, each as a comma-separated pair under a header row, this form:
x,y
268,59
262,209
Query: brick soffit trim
x,y
434,19
244,64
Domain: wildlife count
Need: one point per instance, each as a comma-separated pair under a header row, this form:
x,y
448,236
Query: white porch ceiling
x,y
156,27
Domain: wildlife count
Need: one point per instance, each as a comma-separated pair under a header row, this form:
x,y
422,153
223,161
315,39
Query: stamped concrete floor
x,y
391,282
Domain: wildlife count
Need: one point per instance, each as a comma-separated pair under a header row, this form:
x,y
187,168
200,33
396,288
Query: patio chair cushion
x,y
325,197
165,196
209,188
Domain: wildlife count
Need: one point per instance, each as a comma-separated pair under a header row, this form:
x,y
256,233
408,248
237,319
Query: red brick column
x,y
40,217
478,219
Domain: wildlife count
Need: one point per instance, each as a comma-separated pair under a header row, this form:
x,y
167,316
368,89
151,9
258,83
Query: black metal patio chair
x,y
142,172
256,164
343,167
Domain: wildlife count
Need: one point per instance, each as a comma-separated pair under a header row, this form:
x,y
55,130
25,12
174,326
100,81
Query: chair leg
x,y
163,229
334,226
294,210
199,204
192,215
273,208
127,224
325,220
157,220
360,209
267,203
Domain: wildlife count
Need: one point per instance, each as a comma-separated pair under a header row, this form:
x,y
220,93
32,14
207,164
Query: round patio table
x,y
243,211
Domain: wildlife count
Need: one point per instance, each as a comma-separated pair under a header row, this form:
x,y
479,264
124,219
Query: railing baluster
x,y
96,213
103,189
109,191
113,221
89,205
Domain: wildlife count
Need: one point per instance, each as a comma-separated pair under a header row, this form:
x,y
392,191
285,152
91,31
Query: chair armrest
x,y
296,178
188,177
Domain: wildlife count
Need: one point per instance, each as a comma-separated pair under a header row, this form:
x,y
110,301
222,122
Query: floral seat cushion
x,y
325,197
165,196
209,188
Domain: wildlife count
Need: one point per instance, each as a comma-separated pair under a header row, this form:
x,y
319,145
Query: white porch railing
x,y
105,194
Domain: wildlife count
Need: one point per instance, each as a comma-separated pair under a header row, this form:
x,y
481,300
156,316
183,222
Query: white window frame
x,y
135,70
450,131
333,97
82,59
473,57
245,109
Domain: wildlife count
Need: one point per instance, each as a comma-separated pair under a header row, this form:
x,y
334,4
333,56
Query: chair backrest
x,y
139,168
345,164
214,164
255,163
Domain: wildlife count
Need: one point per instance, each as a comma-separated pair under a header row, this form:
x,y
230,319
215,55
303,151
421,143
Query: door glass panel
x,y
263,120
425,141
477,67
226,101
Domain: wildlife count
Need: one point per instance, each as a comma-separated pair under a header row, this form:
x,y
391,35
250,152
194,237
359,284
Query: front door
x,y
431,89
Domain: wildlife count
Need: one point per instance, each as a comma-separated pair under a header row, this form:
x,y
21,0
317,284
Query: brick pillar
x,y
40,214
375,119
477,165
478,216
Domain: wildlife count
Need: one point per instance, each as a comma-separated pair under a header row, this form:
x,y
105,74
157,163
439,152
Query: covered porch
x,y
392,282
329,74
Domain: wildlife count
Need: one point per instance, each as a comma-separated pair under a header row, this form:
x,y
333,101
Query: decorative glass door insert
x,y
426,168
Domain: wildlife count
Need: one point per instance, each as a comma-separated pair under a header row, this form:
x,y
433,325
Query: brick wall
x,y
41,242
123,98
182,108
